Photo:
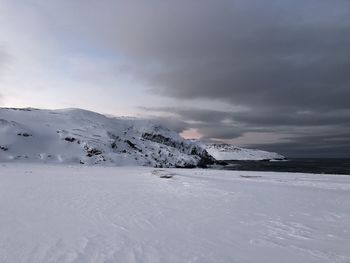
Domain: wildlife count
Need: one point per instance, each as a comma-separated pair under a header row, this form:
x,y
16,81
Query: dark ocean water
x,y
301,165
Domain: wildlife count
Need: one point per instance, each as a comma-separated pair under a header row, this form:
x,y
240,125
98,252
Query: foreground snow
x,y
131,214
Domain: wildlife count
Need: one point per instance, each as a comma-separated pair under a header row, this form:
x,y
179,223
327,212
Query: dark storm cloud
x,y
263,54
278,55
287,62
260,118
271,75
328,145
290,118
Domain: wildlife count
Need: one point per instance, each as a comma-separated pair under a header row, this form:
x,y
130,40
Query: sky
x,y
268,74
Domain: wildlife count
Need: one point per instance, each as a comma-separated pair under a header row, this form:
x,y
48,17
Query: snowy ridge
x,y
85,137
231,152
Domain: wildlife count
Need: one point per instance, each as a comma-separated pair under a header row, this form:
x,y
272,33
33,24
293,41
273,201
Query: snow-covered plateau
x,y
94,214
232,152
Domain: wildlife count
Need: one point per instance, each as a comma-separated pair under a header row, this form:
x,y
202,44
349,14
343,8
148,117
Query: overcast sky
x,y
271,74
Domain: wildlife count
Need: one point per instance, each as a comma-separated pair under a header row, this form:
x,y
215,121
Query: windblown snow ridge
x,y
85,137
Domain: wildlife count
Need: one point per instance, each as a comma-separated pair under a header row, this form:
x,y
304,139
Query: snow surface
x,y
55,213
232,152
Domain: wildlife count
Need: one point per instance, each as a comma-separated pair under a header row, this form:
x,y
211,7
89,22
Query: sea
x,y
298,165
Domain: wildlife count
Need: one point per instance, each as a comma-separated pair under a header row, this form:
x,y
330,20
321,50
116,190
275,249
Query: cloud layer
x,y
269,67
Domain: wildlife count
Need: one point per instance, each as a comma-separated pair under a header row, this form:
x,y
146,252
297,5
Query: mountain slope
x,y
231,152
80,136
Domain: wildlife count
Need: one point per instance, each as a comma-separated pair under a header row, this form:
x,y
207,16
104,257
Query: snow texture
x,y
79,214
231,152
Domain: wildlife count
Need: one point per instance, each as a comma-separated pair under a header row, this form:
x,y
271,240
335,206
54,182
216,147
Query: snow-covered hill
x,y
231,152
80,136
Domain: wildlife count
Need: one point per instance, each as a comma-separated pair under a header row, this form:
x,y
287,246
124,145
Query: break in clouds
x,y
239,69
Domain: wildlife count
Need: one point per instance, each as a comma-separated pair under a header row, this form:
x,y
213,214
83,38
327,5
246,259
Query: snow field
x,y
66,214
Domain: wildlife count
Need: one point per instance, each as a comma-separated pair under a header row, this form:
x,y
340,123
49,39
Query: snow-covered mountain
x,y
231,152
80,136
